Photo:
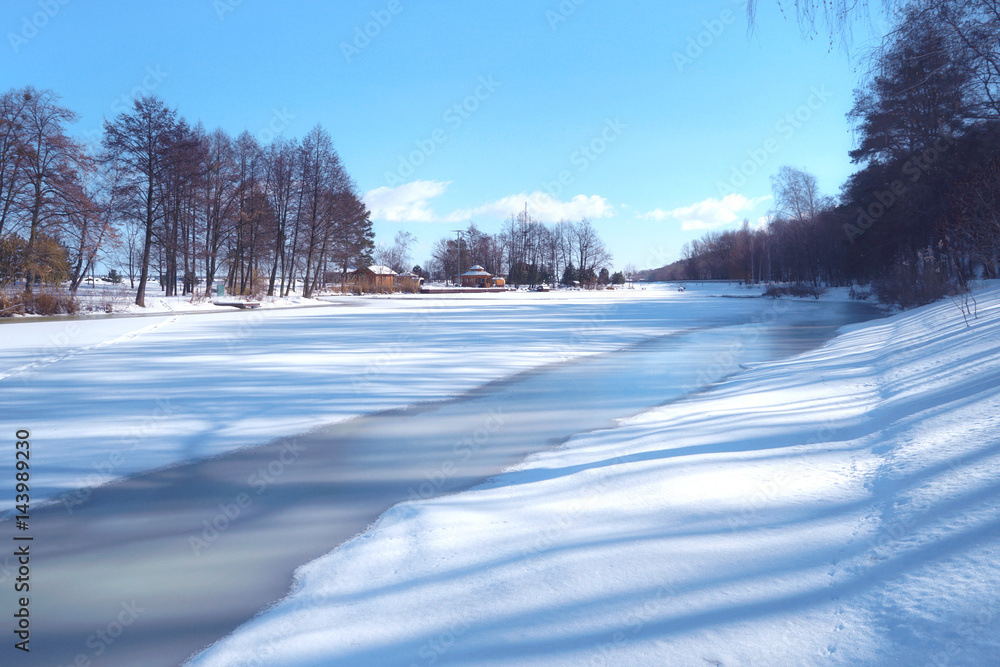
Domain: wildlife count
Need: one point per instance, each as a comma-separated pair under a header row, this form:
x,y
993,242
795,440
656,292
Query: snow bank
x,y
839,507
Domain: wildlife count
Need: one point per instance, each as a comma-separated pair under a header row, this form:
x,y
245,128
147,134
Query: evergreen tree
x,y
569,275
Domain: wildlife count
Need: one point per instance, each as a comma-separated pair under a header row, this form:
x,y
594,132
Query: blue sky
x,y
657,120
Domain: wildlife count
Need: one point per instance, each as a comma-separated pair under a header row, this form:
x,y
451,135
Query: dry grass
x,y
44,300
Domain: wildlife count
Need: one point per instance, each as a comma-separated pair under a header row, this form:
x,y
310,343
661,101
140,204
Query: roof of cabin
x,y
380,270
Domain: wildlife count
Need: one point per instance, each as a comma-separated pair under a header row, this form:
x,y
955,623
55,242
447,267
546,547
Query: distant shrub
x,y
411,287
46,302
110,300
800,290
11,304
859,294
915,281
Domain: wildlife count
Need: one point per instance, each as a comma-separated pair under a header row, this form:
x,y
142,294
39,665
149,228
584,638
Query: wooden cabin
x,y
375,278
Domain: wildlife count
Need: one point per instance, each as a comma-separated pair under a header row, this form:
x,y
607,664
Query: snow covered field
x,y
838,507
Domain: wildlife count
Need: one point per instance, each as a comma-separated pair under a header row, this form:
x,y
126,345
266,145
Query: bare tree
x,y
397,255
323,182
13,181
591,254
138,143
52,166
219,197
796,194
280,187
833,18
89,226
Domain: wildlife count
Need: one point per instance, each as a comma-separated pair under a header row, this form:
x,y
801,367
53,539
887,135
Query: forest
x,y
921,215
168,202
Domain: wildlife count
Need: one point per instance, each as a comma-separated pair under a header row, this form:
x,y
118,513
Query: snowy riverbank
x,y
839,507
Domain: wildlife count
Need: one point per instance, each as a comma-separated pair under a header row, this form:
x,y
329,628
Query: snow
x,y
836,507
113,396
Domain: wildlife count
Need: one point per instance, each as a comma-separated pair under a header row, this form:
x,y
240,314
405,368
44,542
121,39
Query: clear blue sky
x,y
454,111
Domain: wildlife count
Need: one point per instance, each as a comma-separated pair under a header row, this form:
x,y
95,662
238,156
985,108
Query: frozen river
x,y
152,568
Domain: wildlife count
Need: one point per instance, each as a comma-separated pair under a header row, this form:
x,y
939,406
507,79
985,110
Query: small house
x,y
477,276
375,278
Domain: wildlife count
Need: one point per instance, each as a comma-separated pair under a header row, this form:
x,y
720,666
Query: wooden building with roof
x,y
376,278
477,276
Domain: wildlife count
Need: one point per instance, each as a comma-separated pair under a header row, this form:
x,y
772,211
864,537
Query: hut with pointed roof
x,y
477,276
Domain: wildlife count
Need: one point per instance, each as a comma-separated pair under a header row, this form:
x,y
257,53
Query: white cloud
x,y
406,203
541,206
708,214
411,203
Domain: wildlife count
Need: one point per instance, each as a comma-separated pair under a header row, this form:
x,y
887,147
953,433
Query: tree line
x,y
526,252
923,207
171,201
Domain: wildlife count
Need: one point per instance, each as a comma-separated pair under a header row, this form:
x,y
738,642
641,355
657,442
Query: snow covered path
x,y
839,507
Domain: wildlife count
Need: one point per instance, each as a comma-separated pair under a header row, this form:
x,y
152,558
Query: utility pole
x,y
458,242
